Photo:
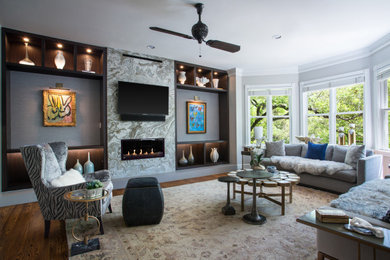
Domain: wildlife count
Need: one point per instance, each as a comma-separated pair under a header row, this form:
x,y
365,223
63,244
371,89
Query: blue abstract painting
x,y
196,117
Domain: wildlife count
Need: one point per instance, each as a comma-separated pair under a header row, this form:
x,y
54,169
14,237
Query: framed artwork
x,y
59,107
196,117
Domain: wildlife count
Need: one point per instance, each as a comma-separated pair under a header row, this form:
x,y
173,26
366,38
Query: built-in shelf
x,y
42,51
201,148
52,71
205,89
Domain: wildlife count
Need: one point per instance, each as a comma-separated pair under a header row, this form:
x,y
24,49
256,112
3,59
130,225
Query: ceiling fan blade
x,y
158,29
225,46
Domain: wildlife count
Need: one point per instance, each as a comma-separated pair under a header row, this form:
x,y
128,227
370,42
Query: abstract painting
x,y
196,117
59,108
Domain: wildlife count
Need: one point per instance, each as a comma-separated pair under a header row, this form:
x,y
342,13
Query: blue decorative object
x,y
271,169
78,167
88,166
316,151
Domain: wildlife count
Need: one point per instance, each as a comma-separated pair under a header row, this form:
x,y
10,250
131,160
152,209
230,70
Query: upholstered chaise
x,y
39,163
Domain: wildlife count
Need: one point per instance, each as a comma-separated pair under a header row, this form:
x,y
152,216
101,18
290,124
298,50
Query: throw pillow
x,y
293,149
354,153
70,177
275,149
51,169
339,153
316,151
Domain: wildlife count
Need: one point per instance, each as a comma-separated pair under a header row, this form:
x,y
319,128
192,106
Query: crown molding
x,y
347,57
274,71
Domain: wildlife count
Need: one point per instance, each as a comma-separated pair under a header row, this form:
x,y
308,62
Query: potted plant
x,y
256,158
94,189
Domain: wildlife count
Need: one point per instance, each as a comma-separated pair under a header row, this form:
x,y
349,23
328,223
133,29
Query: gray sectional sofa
x,y
367,168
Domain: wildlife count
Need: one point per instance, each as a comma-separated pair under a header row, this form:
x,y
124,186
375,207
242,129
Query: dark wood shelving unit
x,y
42,50
201,148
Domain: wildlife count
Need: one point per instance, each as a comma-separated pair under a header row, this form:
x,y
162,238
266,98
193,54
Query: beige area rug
x,y
193,227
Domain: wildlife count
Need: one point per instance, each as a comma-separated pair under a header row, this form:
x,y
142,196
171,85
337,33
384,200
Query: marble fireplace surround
x,y
121,68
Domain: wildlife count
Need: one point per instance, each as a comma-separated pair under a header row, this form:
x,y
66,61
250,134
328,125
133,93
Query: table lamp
x,y
259,134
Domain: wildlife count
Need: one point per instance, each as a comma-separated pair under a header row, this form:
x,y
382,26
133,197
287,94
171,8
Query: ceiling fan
x,y
199,33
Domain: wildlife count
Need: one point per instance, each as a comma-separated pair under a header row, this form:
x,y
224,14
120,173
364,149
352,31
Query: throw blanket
x,y
370,199
315,167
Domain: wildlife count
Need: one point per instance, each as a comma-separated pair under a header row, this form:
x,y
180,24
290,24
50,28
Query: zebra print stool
x,y
143,202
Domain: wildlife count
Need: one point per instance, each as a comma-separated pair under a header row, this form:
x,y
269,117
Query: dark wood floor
x,y
22,226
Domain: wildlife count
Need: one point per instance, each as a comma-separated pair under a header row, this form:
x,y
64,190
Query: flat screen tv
x,y
142,102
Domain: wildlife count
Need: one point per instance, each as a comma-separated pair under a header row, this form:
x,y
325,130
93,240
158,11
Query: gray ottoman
x,y
143,202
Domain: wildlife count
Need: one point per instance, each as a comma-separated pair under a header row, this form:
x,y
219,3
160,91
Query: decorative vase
x,y
182,77
183,160
215,83
78,167
59,60
88,165
191,158
87,64
214,155
26,60
258,167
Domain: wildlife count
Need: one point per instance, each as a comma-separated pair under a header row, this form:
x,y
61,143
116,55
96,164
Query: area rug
x,y
193,227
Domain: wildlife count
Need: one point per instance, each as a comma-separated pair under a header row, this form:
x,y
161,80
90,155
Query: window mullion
x,y
332,116
269,118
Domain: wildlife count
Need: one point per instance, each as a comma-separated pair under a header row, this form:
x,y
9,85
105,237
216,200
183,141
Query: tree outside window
x,y
348,103
278,114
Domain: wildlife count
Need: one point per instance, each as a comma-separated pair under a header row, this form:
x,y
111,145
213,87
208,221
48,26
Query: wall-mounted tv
x,y
142,102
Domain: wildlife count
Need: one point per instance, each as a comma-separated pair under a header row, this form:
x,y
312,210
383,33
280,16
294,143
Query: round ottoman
x,y
143,202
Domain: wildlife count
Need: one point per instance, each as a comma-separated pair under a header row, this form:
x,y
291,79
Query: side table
x,y
228,209
85,244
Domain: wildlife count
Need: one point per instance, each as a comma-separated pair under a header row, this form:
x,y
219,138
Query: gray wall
x,y
26,120
212,116
120,68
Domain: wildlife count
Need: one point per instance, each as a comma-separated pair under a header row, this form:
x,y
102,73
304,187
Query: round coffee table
x,y
254,217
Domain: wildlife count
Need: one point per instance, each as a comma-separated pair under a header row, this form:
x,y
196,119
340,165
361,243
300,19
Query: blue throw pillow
x,y
316,151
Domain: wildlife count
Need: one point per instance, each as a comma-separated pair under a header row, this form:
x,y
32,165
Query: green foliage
x,y
256,157
94,185
280,108
318,102
348,99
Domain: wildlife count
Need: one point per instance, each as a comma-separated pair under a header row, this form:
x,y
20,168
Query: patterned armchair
x,y
39,161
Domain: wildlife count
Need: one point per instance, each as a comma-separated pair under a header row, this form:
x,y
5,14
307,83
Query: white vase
x,y
191,158
183,160
182,77
87,64
214,155
215,83
59,60
88,165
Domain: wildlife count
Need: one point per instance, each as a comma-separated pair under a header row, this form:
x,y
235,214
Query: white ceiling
x,y
311,29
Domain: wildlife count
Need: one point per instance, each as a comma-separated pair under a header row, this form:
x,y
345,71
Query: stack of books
x,y
331,215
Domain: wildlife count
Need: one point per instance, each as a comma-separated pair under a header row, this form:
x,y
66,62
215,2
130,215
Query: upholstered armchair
x,y
42,162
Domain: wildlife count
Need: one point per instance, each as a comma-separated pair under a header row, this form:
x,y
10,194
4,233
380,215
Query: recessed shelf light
x,y
276,36
59,45
215,73
199,70
181,66
89,50
25,39
151,47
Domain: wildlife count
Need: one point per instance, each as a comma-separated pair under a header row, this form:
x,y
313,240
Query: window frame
x,y
333,83
269,116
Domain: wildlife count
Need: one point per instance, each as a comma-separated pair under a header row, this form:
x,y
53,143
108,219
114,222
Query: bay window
x,y
333,105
